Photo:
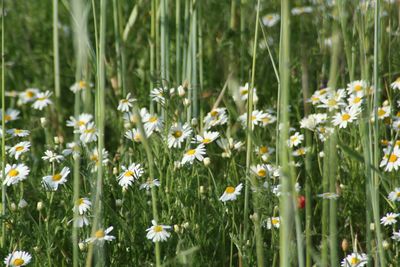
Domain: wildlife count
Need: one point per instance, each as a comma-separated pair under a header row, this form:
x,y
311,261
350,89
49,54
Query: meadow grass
x,y
200,133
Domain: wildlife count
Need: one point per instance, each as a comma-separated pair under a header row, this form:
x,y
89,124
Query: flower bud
x,y
345,245
43,122
39,206
206,161
22,203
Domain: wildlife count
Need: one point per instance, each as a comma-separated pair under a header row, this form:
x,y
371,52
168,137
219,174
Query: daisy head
x,y
101,235
59,178
17,258
158,232
231,193
15,173
42,100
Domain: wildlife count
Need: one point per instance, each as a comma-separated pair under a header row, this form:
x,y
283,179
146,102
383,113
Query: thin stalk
x,y
100,118
163,46
193,82
375,178
56,61
152,48
285,203
178,41
117,34
3,127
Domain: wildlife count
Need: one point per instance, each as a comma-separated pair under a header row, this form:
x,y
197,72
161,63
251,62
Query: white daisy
x,y
158,232
177,134
19,149
260,170
215,117
301,10
206,138
72,148
194,153
82,120
391,161
129,175
158,95
273,222
396,236
383,112
295,139
389,219
79,86
355,260
357,87
28,95
80,221
270,20
88,133
11,115
329,195
18,258
51,156
396,84
318,96
18,132
346,116
133,135
313,120
395,195
149,184
94,158
82,205
42,100
244,93
53,181
267,119
101,235
256,118
231,193
126,104
152,123
15,173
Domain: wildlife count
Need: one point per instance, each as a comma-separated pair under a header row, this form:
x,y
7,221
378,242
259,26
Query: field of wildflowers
x,y
200,133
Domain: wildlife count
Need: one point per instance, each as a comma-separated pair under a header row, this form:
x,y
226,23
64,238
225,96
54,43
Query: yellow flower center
x,y
42,98
214,113
191,152
82,84
398,80
177,133
381,112
56,177
392,158
331,102
398,194
356,100
266,120
354,261
79,201
357,87
158,228
13,172
301,151
124,101
99,233
94,158
314,98
19,148
18,262
229,190
137,137
91,130
262,173
244,92
274,221
17,131
206,140
128,173
153,119
263,150
345,117
7,117
80,123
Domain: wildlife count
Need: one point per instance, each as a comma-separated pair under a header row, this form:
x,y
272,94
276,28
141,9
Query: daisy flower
x,y
18,132
301,10
215,117
267,119
355,100
396,84
133,135
53,181
383,112
295,139
329,195
101,235
312,121
194,153
264,150
129,175
244,93
72,148
273,222
152,123
318,96
389,219
357,87
126,103
15,173
51,156
11,115
88,133
82,120
177,134
355,260
82,205
270,20
79,86
28,95
206,138
396,236
395,195
158,232
157,95
256,118
300,151
19,149
94,158
344,117
333,101
80,221
149,184
42,100
260,170
391,161
18,258
231,193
